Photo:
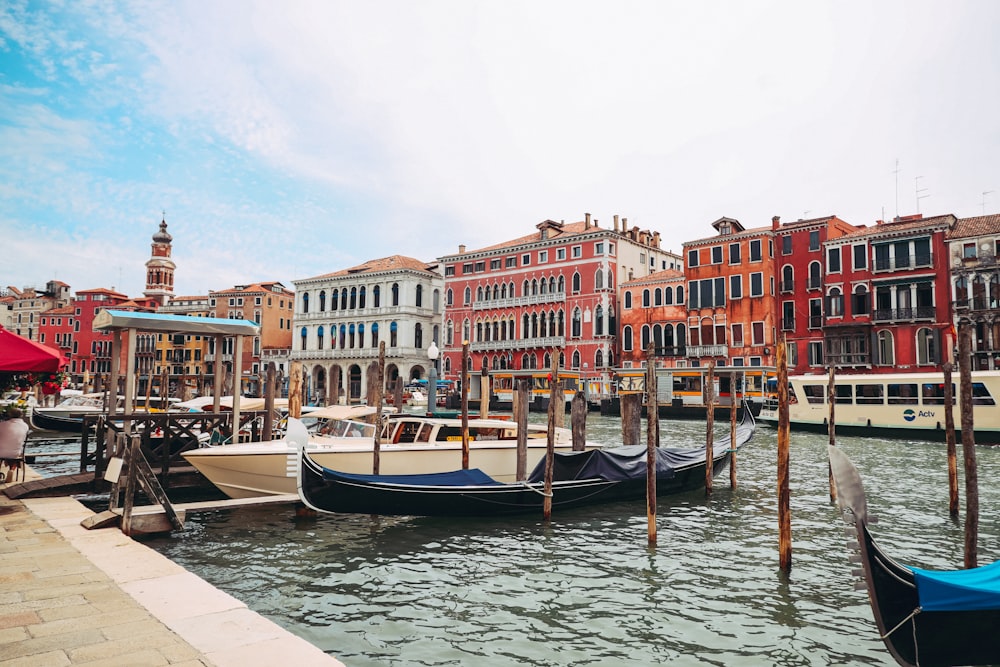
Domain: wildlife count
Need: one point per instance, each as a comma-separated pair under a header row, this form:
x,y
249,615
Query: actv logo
x,y
909,415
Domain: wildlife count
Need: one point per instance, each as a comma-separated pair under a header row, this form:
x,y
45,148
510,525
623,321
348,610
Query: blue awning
x,y
959,590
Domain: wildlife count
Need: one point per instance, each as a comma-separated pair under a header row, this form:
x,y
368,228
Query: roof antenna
x,y
916,185
896,171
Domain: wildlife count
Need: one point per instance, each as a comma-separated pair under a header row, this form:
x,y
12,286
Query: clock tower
x,y
160,268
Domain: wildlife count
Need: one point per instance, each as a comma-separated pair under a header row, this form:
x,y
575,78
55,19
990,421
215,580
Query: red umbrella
x,y
20,355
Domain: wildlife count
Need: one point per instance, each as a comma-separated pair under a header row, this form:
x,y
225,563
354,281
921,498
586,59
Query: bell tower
x,y
160,268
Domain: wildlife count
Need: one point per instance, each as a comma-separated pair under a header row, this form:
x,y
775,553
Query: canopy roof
x,y
20,355
108,320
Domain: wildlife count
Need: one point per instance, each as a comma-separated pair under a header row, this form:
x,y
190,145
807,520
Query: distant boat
x,y
579,479
925,617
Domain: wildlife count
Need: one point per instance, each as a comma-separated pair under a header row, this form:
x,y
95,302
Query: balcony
x,y
694,351
815,321
549,297
977,305
903,262
815,283
788,324
670,351
787,286
517,344
905,314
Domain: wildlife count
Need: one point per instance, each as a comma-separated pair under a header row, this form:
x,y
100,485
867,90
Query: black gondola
x,y
925,617
46,422
579,478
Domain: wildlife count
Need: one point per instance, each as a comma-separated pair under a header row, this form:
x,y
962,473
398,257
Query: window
x,y
860,253
692,258
543,256
657,297
757,284
627,338
788,316
577,252
757,331
420,297
577,323
859,301
449,270
449,298
720,291
737,332
786,244
628,299
835,303
598,248
814,275
395,294
717,255
816,353
755,251
511,262
814,240
833,260
494,264
576,283
927,344
736,287
468,296
305,303
560,253
902,394
645,298
734,253
525,259
467,268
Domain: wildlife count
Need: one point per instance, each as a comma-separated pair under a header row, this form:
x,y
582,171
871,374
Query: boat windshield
x,y
346,428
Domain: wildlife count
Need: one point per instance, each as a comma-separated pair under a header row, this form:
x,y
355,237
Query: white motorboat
x,y
342,441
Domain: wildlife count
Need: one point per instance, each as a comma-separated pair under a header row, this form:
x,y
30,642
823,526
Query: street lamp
x,y
432,354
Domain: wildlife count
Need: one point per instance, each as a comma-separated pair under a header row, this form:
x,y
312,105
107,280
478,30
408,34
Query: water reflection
x,y
586,589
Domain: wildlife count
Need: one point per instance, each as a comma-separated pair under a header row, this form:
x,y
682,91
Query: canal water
x,y
586,588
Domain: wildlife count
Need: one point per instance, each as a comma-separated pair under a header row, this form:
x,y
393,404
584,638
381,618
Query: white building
x,y
340,318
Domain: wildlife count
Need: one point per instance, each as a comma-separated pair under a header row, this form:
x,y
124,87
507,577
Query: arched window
x,y
534,287
576,283
814,275
418,336
305,337
479,330
322,300
927,346
645,298
393,334
599,321
561,284
305,303
436,333
611,280
628,298
374,334
468,296
420,297
343,336
503,291
450,333
479,293
361,335
547,361
859,301
645,336
576,359
657,297
350,335
787,279
598,359
447,364
668,296
560,323
542,288
343,299
436,301
657,337
466,331
680,295
668,338
526,288
627,338
835,302
354,298
526,326
361,297
886,348
577,324
599,279
449,299
395,294
319,336
552,284
534,325
376,296
334,299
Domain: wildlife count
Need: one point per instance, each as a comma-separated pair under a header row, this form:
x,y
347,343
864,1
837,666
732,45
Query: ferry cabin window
x,y
815,393
981,395
902,394
869,394
933,393
843,393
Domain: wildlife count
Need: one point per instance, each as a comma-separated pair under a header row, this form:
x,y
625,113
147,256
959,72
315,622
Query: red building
x,y
654,311
519,301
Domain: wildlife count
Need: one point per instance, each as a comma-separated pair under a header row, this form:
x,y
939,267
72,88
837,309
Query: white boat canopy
x,y
347,411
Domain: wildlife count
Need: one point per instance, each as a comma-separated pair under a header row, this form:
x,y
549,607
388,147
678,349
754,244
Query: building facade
x,y
973,249
30,303
654,312
342,317
160,268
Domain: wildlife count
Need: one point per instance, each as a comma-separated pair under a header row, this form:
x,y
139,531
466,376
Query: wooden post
x,y
380,383
831,426
631,418
560,413
521,418
709,426
578,421
652,429
484,393
784,494
968,445
555,393
269,403
397,396
465,405
733,407
295,389
949,436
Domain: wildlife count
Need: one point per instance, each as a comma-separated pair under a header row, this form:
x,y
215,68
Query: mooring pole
x,y
520,406
380,378
831,426
652,428
465,404
555,396
949,436
709,426
733,407
968,446
784,495
578,421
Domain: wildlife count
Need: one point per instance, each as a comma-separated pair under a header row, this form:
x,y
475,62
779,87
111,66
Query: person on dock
x,y
13,433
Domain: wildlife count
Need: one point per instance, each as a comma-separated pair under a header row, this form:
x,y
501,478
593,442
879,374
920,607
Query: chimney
x,y
586,221
775,223
461,248
656,239
616,223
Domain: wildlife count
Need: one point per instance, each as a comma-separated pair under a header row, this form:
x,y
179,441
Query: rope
x,y
898,625
538,491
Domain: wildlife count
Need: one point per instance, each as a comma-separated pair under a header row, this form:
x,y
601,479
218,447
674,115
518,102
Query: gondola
x,y
925,617
579,478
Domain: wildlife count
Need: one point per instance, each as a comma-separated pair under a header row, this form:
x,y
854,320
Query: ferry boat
x,y
681,392
905,405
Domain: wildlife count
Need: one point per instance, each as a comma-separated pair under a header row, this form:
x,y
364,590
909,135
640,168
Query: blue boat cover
x,y
616,464
472,477
959,590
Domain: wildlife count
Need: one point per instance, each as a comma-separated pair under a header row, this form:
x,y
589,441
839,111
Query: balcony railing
x,y
976,304
903,262
788,324
815,321
548,297
787,285
517,344
670,351
707,351
815,283
896,314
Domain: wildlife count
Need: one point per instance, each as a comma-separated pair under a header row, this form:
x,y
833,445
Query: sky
x,y
285,140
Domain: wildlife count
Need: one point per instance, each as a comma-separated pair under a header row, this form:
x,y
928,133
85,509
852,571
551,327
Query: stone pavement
x,y
69,596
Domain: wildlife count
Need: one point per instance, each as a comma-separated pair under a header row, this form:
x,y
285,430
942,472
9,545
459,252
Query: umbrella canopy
x,y
20,355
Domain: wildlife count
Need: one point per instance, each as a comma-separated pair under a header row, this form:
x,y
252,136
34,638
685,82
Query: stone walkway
x,y
71,596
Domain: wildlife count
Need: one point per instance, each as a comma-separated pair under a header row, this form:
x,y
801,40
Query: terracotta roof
x,y
895,226
555,231
982,225
65,310
746,233
391,263
250,287
658,277
101,290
